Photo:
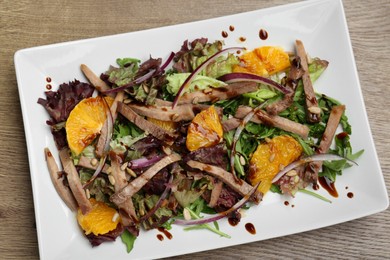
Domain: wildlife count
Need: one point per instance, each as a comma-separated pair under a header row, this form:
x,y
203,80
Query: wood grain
x,y
31,23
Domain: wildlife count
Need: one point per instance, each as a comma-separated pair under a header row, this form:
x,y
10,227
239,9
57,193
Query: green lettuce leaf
x,y
198,83
128,239
221,66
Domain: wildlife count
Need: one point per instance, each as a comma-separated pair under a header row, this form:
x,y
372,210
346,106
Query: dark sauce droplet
x,y
224,34
250,228
48,79
231,28
316,186
328,186
286,203
160,237
48,87
292,205
233,221
342,135
165,232
242,39
350,195
346,187
263,34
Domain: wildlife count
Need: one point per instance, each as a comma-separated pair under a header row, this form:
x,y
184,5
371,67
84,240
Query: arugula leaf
x,y
229,106
128,239
315,195
214,229
345,124
275,189
306,145
168,224
331,169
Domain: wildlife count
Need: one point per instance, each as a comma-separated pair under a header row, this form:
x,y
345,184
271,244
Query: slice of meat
x,y
226,177
165,113
313,111
126,209
291,82
87,163
99,84
312,169
283,123
274,121
145,125
104,131
216,192
58,181
216,94
137,184
230,124
74,181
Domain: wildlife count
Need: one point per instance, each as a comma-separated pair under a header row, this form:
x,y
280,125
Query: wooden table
x,y
31,23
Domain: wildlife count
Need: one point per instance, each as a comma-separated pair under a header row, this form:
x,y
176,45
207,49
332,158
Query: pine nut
x,y
242,160
111,179
93,161
115,217
186,214
291,173
131,172
123,166
314,110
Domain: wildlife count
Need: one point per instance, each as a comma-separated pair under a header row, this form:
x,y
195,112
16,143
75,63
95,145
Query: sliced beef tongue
x,y
126,209
99,84
221,93
275,121
58,181
312,169
165,113
145,125
134,186
104,131
241,187
293,76
313,111
74,181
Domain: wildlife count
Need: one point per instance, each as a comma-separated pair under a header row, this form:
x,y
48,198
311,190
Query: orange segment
x,y
205,130
269,157
263,61
167,125
85,122
100,220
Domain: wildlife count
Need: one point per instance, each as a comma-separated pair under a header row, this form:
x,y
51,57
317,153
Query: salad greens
x,y
145,173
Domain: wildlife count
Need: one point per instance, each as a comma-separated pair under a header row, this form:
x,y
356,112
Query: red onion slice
x,y
237,134
132,83
110,129
143,162
167,62
159,202
312,158
188,81
240,76
219,215
98,170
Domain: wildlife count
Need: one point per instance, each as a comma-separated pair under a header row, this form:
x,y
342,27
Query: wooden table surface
x,y
31,23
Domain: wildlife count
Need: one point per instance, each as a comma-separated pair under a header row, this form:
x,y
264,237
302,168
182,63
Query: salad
x,y
192,139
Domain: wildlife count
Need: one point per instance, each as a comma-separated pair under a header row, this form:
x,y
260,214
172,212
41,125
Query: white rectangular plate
x,y
321,25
